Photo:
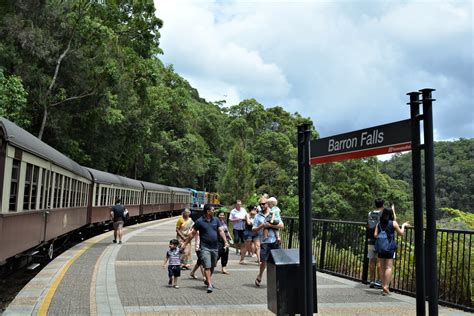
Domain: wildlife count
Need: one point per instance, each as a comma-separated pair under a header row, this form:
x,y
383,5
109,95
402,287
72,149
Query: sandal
x,y
257,282
193,276
225,272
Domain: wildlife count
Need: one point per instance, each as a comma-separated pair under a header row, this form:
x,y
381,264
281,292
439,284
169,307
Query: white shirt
x,y
234,214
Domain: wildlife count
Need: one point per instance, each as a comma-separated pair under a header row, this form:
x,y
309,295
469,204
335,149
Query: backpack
x,y
372,221
385,244
126,215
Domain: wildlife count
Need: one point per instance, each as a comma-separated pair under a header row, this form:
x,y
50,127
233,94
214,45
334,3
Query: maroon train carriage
x,y
156,198
180,199
107,187
44,193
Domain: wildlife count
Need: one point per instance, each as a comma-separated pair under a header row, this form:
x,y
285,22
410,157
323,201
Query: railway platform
x,y
98,277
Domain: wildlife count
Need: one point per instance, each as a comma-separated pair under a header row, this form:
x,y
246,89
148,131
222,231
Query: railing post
x,y
290,238
365,266
324,239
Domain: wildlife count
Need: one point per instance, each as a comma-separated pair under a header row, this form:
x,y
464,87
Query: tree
x,y
13,100
238,181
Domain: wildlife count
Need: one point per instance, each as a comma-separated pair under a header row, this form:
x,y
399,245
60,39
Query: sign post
x,y
383,139
306,224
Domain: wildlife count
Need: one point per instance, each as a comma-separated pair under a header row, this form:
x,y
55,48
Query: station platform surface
x,y
98,277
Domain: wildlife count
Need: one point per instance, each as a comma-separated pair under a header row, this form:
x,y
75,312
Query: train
x,y
46,195
199,198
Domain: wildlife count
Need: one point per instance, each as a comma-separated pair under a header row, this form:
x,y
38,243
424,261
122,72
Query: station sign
x,y
383,139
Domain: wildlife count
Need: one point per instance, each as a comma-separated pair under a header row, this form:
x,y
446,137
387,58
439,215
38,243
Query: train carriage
x,y
44,193
156,198
107,187
180,199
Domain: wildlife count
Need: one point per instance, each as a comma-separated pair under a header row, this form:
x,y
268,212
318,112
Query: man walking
x,y
266,244
117,215
209,227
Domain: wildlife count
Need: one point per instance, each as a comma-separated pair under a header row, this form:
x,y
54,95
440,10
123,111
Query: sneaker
x,y
372,284
120,241
114,241
378,283
170,282
176,287
210,289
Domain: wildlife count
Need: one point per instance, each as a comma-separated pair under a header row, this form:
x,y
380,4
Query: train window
x,y
102,196
34,187
45,188
96,200
57,190
27,191
14,185
75,183
66,191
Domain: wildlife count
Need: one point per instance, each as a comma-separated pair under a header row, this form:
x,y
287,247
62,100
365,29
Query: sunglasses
x,y
261,204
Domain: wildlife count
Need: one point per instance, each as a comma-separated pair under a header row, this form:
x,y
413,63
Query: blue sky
x,y
345,64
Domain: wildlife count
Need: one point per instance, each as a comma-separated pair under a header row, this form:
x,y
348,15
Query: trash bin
x,y
285,282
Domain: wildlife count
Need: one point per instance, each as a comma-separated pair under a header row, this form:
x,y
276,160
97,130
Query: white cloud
x,y
346,65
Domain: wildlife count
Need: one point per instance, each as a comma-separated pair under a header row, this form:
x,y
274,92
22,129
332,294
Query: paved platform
x,y
98,277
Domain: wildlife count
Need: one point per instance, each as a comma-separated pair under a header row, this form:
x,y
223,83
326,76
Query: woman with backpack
x,y
385,245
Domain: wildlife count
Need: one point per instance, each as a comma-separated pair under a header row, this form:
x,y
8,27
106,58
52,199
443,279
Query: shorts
x,y
389,255
208,257
174,271
118,224
371,254
265,250
249,235
238,236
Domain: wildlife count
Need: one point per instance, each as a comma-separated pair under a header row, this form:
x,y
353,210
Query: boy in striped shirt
x,y
174,263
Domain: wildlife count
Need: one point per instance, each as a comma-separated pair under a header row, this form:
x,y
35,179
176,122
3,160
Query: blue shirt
x,y
260,219
208,231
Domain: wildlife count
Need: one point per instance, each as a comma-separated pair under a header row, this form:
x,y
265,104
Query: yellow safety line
x,y
49,296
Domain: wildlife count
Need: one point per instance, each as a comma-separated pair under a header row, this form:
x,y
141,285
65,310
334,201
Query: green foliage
x,y
454,173
455,219
346,190
13,100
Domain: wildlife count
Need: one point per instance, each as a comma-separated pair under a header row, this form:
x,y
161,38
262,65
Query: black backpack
x,y
372,221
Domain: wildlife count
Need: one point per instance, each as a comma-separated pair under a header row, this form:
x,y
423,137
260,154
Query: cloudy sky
x,y
345,64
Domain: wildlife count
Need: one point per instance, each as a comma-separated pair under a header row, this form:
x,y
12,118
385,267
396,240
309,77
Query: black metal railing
x,y
340,248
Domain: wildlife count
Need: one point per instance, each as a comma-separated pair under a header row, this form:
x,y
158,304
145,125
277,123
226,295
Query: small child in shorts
x,y
173,257
273,218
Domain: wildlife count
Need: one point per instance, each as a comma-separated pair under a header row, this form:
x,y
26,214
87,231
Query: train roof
x,y
110,178
155,186
20,138
175,189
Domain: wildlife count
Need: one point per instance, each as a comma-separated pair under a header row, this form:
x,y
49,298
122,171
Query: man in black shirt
x,y
209,228
117,215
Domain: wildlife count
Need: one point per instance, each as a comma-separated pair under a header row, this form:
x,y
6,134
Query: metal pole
x,y
417,202
301,200
431,243
308,267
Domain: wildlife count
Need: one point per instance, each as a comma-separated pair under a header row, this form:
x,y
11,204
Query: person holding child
x,y
266,244
173,258
274,218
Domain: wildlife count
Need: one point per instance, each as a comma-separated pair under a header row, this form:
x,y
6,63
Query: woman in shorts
x,y
252,241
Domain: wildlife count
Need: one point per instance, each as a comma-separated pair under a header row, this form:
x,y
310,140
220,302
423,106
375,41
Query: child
x,y
174,266
273,218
